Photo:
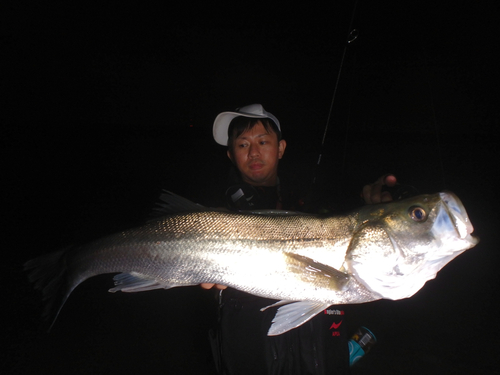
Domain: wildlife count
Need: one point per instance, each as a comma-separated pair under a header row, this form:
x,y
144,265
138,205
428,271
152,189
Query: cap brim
x,y
222,121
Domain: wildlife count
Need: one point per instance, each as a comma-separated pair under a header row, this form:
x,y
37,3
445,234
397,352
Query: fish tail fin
x,y
49,274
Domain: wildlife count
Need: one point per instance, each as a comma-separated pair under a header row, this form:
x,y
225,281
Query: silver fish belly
x,y
378,251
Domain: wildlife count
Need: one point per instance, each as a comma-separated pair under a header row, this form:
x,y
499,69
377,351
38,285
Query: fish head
x,y
399,246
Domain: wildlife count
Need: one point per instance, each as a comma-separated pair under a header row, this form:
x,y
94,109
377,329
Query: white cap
x,y
222,121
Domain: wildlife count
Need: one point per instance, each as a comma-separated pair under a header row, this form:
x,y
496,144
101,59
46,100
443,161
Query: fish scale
x,y
379,251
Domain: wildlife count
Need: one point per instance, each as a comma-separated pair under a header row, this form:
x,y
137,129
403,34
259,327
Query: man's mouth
x,y
255,166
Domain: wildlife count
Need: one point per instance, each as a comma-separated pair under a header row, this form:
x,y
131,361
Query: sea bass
x,y
308,262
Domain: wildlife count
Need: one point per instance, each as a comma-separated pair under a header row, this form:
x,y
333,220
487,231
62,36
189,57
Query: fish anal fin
x,y
276,304
319,273
293,315
135,282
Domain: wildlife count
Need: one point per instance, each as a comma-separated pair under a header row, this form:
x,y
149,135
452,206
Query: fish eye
x,y
417,213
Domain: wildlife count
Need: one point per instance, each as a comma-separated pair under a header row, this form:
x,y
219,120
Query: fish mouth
x,y
456,212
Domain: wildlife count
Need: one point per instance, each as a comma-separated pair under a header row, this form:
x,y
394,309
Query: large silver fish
x,y
307,262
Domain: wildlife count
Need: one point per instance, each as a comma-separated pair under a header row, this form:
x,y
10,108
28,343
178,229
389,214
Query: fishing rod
x,y
399,191
352,35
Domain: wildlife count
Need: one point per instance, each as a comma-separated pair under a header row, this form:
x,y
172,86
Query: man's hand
x,y
373,193
210,286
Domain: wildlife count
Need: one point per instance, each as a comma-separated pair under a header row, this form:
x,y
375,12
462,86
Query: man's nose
x,y
254,151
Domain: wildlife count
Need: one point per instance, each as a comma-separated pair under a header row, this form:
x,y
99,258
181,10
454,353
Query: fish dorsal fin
x,y
293,315
171,203
273,212
322,274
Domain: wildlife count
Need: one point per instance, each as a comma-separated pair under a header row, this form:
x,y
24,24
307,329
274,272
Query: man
x,y
253,138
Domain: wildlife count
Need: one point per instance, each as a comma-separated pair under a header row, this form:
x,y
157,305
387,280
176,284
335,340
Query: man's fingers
x,y
373,193
210,286
385,196
390,180
367,193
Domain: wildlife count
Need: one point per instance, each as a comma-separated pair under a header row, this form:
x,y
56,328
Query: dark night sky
x,y
108,104
157,67
104,92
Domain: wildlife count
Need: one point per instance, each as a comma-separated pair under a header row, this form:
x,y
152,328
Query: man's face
x,y
256,154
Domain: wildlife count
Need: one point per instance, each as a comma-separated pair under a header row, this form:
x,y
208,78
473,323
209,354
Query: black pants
x,y
241,344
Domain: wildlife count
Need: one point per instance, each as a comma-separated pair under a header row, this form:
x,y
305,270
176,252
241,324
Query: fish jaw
x,y
455,221
401,255
452,235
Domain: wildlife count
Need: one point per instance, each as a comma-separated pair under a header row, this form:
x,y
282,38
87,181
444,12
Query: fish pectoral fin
x,y
136,282
315,272
293,315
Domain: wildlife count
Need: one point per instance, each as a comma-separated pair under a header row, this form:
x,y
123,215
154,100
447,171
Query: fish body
x,y
378,251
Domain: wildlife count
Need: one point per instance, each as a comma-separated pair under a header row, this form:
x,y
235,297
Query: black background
x,y
107,104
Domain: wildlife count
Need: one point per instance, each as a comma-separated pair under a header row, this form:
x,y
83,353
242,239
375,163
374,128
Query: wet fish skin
x,y
355,258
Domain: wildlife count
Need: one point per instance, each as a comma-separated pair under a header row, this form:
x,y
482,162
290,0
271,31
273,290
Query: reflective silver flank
x,y
378,251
